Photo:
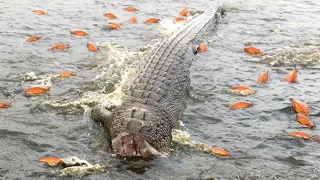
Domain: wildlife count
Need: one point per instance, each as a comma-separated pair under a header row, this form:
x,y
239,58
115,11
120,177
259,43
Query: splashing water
x,y
305,54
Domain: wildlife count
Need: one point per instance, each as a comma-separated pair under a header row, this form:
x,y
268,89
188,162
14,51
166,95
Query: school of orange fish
x,y
297,105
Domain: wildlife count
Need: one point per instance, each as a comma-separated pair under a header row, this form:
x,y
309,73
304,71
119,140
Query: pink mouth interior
x,y
131,144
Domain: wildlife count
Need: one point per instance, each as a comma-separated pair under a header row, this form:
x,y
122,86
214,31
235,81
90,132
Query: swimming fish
x,y
36,90
130,8
133,20
239,88
253,50
263,77
299,106
243,90
40,12
33,38
92,47
113,25
151,21
79,32
240,104
50,160
184,12
202,47
110,15
219,151
302,119
60,47
5,105
292,76
178,19
303,135
66,74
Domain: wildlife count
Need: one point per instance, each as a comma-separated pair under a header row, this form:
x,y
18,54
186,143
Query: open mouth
x,y
131,144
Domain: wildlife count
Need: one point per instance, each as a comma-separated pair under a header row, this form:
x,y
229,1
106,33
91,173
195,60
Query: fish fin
x,y
195,51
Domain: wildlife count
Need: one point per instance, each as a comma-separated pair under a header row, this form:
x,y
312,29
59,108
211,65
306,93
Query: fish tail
x,y
313,126
316,138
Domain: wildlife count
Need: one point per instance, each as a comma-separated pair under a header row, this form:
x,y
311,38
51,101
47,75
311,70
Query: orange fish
x,y
243,90
263,77
302,119
79,32
92,47
38,11
219,151
299,106
202,48
50,160
292,76
60,47
5,105
33,38
239,88
303,135
133,20
151,20
113,25
130,8
36,90
184,12
110,15
66,74
178,19
253,50
240,104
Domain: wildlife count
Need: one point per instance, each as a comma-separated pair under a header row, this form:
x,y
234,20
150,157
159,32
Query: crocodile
x,y
154,105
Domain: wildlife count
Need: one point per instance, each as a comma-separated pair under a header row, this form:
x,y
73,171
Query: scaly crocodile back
x,y
157,96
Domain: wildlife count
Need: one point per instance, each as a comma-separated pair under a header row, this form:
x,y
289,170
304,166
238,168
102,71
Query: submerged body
x,y
142,124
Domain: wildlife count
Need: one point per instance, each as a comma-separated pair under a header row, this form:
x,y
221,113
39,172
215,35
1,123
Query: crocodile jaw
x,y
130,144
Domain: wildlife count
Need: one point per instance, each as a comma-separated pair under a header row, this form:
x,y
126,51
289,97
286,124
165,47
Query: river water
x,y
56,124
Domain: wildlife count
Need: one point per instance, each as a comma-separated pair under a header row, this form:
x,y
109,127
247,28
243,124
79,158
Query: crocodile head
x,y
135,131
139,132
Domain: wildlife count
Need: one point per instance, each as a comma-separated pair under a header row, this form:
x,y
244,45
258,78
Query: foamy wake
x,y
305,54
117,66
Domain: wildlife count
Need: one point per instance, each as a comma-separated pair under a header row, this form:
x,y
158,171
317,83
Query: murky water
x,y
54,124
